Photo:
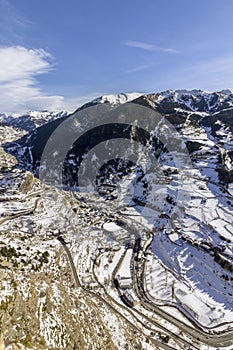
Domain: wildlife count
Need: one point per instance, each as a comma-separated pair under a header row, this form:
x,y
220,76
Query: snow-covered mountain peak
x,y
197,100
117,98
227,91
30,120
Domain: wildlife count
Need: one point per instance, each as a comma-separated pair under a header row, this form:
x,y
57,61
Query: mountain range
x,y
149,238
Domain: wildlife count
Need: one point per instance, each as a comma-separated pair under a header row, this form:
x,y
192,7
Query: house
x,y
124,282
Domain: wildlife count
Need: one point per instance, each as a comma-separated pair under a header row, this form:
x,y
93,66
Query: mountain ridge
x,y
183,96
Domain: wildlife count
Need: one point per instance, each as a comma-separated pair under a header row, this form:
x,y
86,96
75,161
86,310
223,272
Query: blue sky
x,y
60,54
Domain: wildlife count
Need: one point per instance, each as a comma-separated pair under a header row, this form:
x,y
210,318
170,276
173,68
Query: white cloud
x,y
139,68
18,62
149,47
19,87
